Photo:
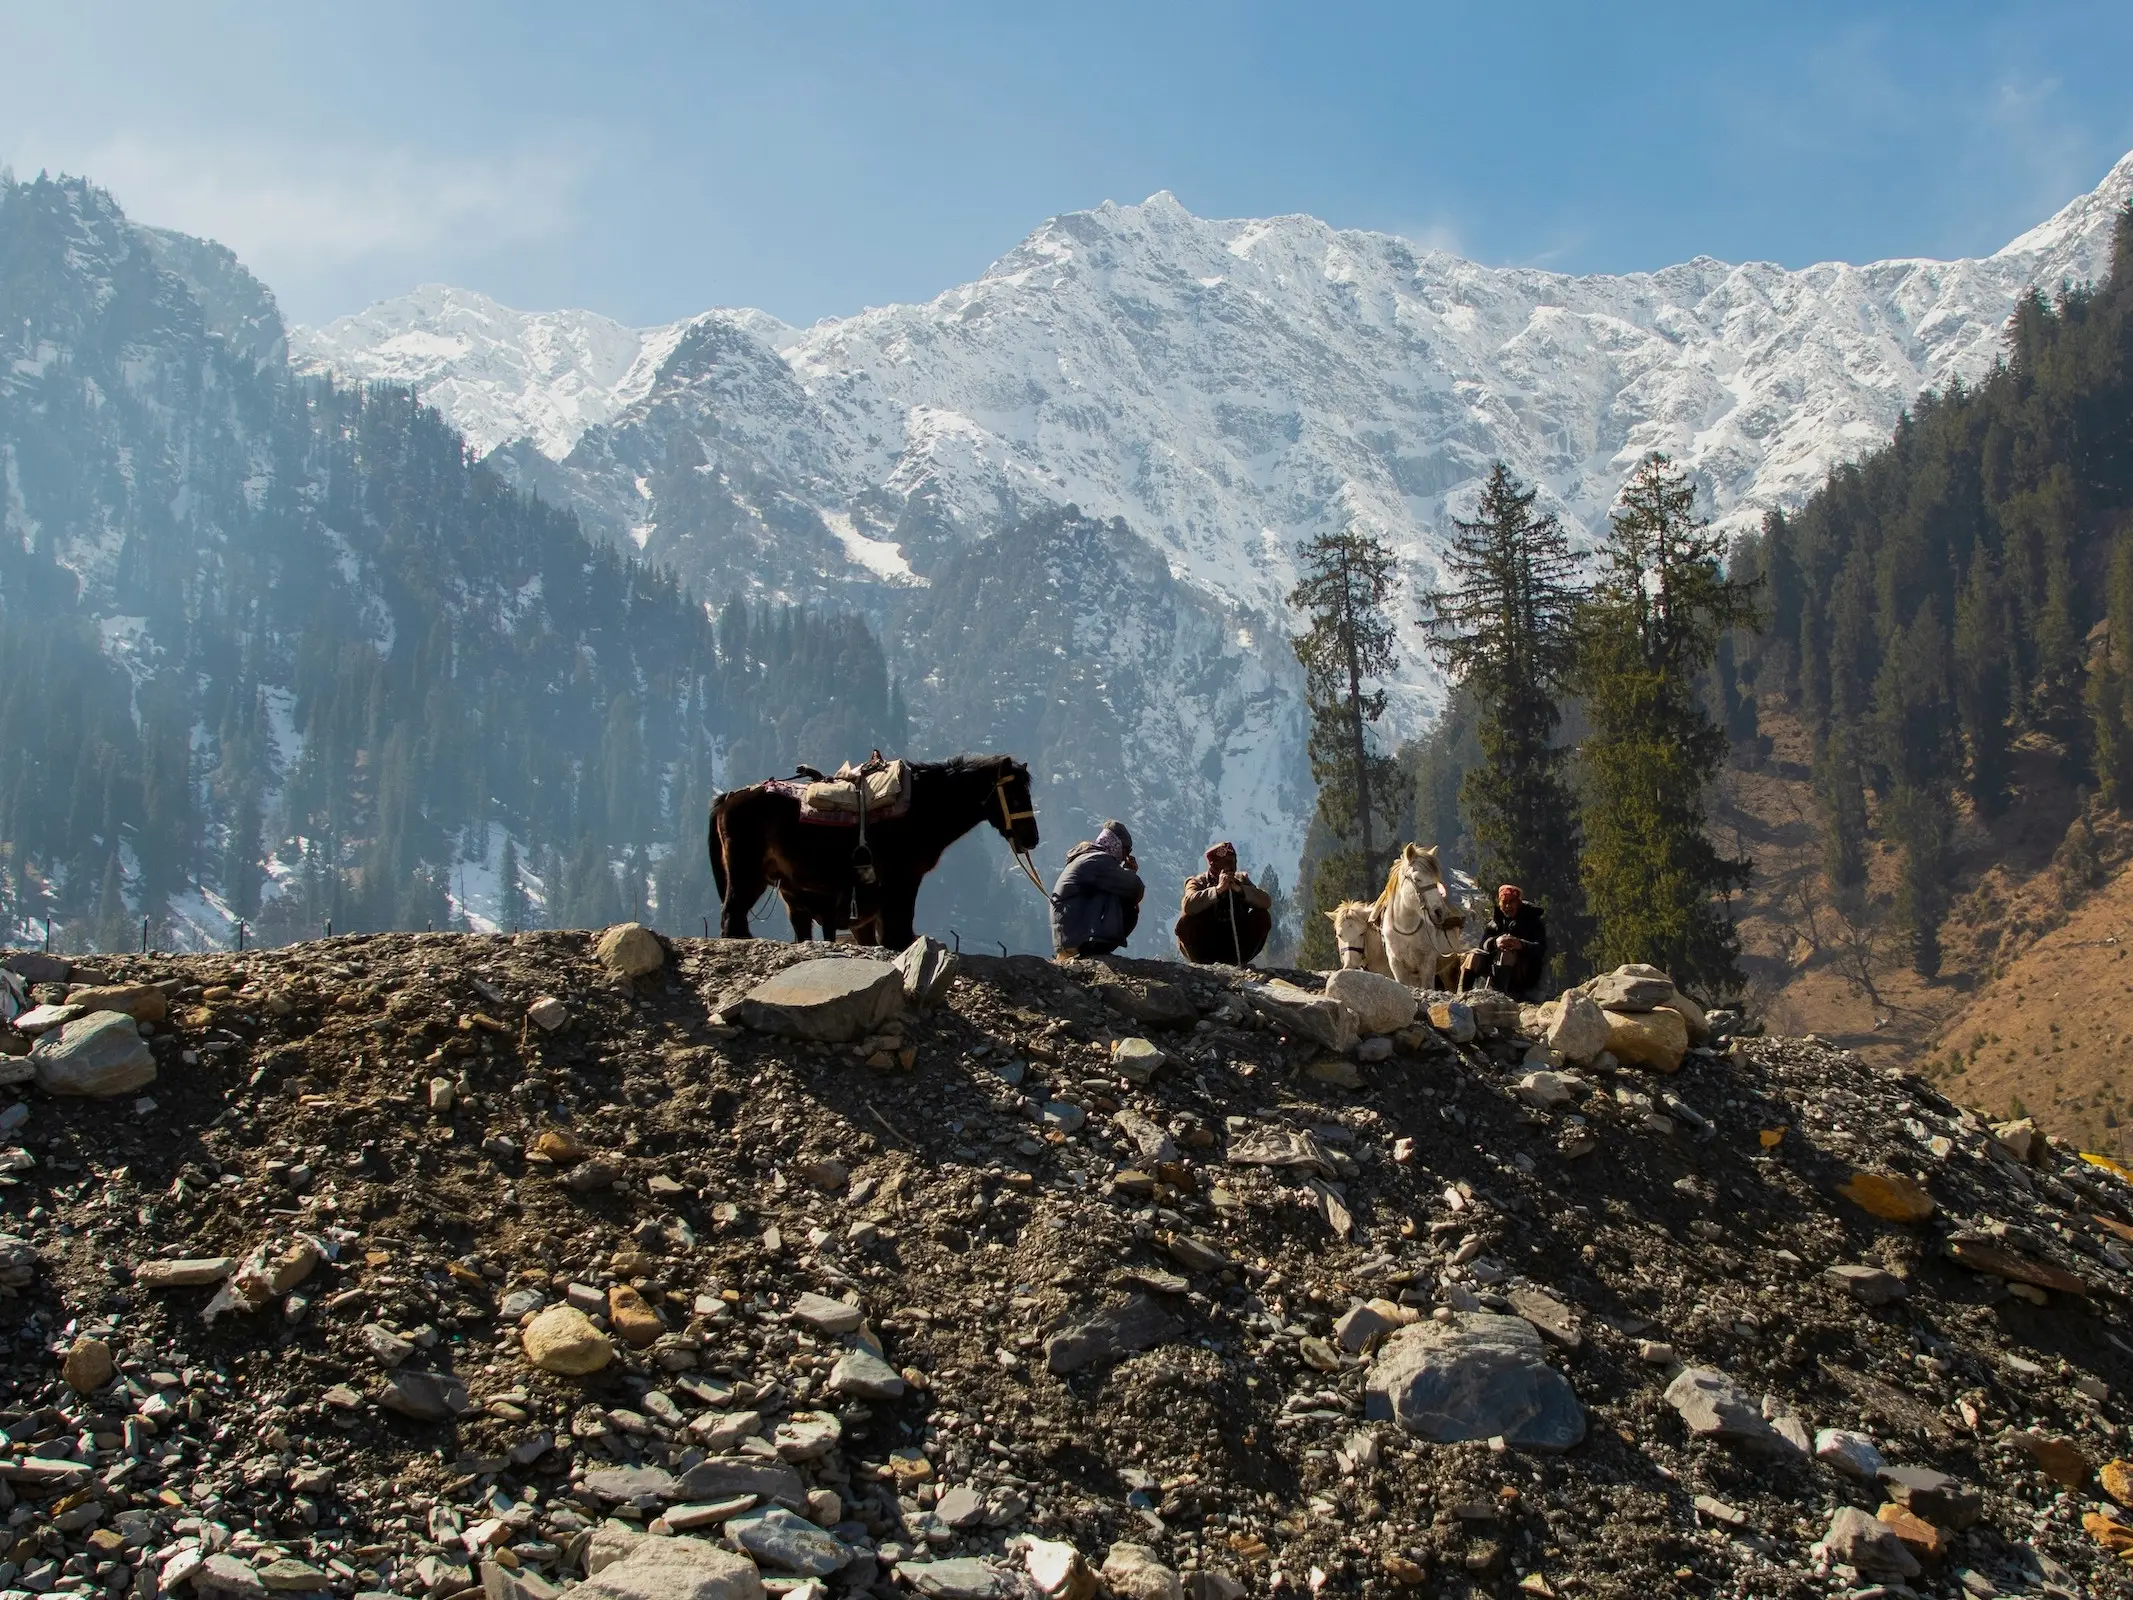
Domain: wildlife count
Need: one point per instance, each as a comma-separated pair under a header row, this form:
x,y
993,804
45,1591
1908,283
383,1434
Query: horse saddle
x,y
884,787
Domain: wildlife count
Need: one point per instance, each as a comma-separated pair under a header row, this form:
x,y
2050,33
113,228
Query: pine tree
x,y
1915,730
1503,631
1648,630
1983,684
510,892
1346,579
2110,685
1840,792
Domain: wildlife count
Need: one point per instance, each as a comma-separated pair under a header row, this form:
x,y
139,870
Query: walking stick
x,y
1236,940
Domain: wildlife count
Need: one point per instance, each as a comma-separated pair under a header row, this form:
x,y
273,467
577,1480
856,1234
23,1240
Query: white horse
x,y
1355,934
1421,926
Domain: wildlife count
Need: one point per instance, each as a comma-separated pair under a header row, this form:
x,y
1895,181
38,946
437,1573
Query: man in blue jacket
x,y
1097,899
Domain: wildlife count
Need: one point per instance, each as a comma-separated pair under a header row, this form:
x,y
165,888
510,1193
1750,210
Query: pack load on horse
x,y
1413,931
1223,915
849,851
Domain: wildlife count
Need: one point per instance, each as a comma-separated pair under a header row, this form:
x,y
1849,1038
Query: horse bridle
x,y
1433,918
1008,819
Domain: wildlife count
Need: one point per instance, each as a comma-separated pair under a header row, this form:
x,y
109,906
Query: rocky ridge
x,y
432,1263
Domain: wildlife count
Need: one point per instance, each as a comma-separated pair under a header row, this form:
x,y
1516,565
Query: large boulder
x,y
630,950
101,1054
1380,1004
1655,1039
1691,1013
1635,987
1479,1376
1579,1030
829,999
1303,1014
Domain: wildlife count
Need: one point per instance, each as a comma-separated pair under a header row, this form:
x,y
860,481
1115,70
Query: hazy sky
x,y
649,161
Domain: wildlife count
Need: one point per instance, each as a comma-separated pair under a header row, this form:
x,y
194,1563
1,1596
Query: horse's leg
x,y
803,925
745,883
896,923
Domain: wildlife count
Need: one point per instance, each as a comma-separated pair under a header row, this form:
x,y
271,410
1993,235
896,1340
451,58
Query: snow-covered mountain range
x,y
1223,387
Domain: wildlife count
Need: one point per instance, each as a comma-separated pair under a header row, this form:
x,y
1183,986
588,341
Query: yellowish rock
x,y
1691,1013
558,1146
1888,1195
2108,1531
89,1366
143,1002
1926,1542
563,1339
1654,1039
2117,1479
632,1316
630,949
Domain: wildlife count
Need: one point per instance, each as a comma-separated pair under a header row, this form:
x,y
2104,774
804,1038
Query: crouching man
x,y
1224,916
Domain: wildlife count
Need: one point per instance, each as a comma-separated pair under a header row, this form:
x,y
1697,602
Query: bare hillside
x,y
436,1264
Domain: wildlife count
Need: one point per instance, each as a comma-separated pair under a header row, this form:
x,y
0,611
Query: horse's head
x,y
1419,870
1351,930
1014,812
1420,865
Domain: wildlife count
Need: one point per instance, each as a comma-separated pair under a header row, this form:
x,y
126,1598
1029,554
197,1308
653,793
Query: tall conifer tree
x,y
1503,629
1348,646
1648,629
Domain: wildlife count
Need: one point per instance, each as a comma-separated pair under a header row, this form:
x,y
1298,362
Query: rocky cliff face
x,y
1224,387
429,1260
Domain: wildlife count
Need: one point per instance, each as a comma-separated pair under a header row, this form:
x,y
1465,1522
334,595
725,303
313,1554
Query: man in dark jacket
x,y
1513,954
1224,916
1097,899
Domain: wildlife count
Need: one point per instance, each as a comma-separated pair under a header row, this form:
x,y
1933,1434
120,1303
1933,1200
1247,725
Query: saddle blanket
x,y
835,801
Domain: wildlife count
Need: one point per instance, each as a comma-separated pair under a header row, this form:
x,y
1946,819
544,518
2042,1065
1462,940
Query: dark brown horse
x,y
757,840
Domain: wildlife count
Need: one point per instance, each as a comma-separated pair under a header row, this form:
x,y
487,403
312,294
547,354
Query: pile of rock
x,y
1634,1016
438,1264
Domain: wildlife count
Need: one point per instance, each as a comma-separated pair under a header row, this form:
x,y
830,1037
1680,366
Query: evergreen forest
x,y
278,651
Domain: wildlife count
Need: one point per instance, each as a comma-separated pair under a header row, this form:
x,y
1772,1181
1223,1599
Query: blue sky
x,y
649,161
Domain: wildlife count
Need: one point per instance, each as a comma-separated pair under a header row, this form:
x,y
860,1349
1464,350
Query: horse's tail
x,y
715,840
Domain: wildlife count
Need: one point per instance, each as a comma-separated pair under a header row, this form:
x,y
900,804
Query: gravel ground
x,y
415,1170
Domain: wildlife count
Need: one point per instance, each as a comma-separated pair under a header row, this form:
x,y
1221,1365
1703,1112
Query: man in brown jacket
x,y
1224,916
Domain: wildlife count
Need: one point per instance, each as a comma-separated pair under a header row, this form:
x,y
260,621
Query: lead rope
x,y
1008,819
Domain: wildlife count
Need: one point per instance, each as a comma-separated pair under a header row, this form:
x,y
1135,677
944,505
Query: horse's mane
x,y
958,765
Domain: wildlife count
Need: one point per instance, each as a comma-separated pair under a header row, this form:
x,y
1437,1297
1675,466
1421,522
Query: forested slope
x,y
277,649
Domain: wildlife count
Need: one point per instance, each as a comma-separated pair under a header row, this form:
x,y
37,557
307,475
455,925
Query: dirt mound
x,y
914,1327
